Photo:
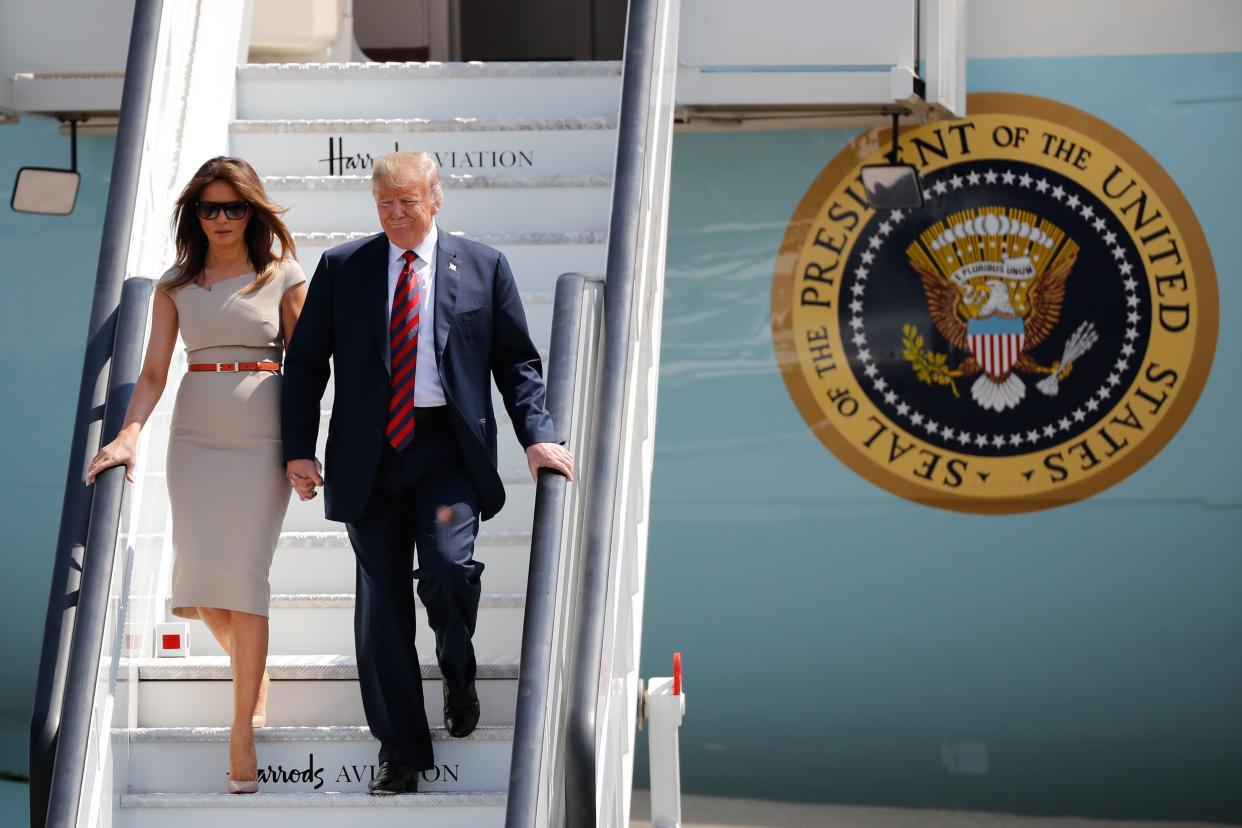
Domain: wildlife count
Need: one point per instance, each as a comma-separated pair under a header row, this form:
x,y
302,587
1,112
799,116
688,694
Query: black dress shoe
x,y
461,709
394,779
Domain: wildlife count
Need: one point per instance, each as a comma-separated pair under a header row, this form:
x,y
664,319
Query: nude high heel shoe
x,y
241,786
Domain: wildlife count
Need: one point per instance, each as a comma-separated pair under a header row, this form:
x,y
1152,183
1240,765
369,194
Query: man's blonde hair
x,y
399,169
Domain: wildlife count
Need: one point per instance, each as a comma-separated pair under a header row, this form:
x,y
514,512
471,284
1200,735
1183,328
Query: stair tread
x,y
295,667
431,70
345,600
491,239
336,733
327,799
573,123
310,183
303,540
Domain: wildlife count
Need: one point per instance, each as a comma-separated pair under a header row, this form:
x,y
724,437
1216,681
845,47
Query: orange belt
x,y
233,367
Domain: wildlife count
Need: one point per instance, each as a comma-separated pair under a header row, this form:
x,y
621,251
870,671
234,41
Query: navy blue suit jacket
x,y
480,332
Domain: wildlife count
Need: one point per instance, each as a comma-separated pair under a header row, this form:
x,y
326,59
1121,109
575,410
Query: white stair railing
x,y
603,701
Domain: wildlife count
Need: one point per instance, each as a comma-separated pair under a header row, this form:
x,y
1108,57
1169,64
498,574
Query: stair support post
x,y
665,707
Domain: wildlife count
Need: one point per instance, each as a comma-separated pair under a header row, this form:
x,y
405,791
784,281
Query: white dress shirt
x,y
427,389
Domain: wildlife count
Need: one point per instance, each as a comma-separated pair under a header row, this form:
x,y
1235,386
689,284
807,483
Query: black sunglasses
x,y
233,210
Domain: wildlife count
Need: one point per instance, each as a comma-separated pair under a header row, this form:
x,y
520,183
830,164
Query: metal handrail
x,y
574,332
99,561
78,512
623,237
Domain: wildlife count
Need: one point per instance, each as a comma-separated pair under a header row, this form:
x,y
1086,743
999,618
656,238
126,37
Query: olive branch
x,y
929,367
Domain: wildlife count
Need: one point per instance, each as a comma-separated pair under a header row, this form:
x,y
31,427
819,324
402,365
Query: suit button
x,y
379,430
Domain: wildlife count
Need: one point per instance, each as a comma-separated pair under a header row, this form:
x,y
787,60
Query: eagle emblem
x,y
994,279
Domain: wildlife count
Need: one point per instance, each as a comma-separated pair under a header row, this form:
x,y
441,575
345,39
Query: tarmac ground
x,y
723,812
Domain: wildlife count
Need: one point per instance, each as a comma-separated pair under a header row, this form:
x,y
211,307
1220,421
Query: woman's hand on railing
x,y
122,451
550,456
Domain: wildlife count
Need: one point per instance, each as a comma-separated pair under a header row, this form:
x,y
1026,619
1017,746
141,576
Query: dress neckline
x,y
222,281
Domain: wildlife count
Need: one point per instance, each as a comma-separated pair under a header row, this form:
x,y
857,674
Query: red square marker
x,y
173,639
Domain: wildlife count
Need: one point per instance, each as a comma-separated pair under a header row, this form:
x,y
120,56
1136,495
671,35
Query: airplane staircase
x,y
532,164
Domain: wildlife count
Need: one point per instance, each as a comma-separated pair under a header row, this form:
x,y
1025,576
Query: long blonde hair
x,y
262,231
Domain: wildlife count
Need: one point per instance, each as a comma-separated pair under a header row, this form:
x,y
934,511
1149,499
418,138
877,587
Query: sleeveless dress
x,y
226,478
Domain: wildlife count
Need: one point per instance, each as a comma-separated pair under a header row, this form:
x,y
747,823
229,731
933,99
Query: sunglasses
x,y
233,210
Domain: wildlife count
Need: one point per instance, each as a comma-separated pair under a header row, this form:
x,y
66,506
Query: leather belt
x,y
234,367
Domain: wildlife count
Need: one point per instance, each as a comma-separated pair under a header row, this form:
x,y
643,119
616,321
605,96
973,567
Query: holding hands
x,y
306,476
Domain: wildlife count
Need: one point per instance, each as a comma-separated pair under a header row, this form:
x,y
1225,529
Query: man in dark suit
x,y
416,322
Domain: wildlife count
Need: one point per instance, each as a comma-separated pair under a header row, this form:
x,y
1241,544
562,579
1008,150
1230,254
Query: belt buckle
x,y
227,367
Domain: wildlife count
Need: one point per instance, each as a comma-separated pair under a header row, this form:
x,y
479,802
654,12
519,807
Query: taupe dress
x,y
226,480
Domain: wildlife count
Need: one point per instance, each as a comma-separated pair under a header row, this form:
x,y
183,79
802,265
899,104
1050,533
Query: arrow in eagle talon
x,y
1081,341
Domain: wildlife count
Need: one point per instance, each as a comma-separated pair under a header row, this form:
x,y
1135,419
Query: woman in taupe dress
x,y
235,302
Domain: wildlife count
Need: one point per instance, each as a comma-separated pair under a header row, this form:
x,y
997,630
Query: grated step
x,y
335,733
312,702
292,668
429,90
474,809
306,759
502,147
301,623
484,204
413,125
430,70
323,562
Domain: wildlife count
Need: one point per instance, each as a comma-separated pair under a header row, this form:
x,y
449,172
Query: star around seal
x,y
1033,334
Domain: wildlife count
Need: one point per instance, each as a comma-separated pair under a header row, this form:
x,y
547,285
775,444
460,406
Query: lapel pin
x,y
452,265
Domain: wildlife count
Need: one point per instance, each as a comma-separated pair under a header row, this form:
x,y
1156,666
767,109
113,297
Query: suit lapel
x,y
374,267
447,278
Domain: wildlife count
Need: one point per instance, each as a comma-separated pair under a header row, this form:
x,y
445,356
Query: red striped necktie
x,y
403,341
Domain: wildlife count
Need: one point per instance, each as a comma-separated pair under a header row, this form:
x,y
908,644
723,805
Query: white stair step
x,y
537,259
306,759
430,90
347,600
309,562
293,668
197,692
458,124
307,516
324,622
536,205
500,148
306,703
482,809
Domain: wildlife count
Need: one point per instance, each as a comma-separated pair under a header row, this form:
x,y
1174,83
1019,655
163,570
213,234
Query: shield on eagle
x,y
996,343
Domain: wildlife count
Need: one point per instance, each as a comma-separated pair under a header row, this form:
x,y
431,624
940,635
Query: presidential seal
x,y
1032,335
